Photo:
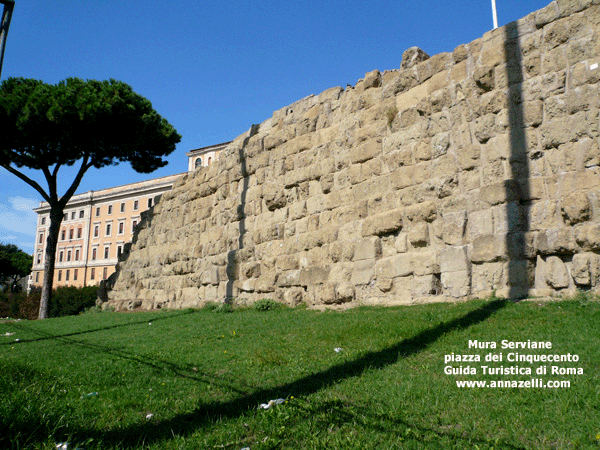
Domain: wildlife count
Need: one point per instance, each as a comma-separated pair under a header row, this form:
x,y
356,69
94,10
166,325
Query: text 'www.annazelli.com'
x,y
531,383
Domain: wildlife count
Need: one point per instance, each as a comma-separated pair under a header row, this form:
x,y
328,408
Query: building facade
x,y
97,225
95,228
203,157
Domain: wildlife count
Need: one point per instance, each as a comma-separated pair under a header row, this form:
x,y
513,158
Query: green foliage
x,y
14,265
19,305
267,304
391,114
44,125
70,300
218,307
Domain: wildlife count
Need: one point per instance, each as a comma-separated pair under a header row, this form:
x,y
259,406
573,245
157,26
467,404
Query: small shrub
x,y
391,114
218,307
19,305
70,300
266,304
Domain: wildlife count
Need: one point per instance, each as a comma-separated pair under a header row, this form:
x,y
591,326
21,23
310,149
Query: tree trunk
x,y
56,217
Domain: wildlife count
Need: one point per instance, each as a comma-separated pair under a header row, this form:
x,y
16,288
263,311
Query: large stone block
x,y
576,208
395,266
383,223
369,248
363,272
456,284
488,248
557,275
454,259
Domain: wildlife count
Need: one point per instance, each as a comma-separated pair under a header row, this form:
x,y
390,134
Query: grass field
x,y
367,378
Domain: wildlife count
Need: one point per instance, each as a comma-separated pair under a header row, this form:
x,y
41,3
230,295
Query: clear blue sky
x,y
213,68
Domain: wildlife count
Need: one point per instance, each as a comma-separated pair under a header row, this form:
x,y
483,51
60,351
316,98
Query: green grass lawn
x,y
195,379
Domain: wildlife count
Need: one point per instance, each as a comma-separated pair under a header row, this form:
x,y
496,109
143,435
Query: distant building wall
x,y
95,228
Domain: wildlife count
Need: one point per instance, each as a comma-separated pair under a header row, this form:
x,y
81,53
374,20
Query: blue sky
x,y
213,68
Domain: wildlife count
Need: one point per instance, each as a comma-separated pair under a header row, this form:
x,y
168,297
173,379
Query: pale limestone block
x,y
418,234
555,241
576,208
480,223
293,296
454,259
454,227
395,266
368,248
425,211
557,275
425,262
363,272
344,292
456,284
383,223
401,243
426,285
488,277
588,236
488,248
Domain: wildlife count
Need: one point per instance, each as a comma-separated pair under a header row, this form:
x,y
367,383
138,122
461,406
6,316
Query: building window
x,y
41,238
71,234
96,230
98,211
149,203
66,216
76,255
59,275
37,277
109,209
108,229
67,275
73,215
121,227
119,251
43,221
79,232
198,163
106,250
122,207
75,275
69,255
93,274
105,273
133,225
63,235
81,214
39,258
136,205
94,251
60,257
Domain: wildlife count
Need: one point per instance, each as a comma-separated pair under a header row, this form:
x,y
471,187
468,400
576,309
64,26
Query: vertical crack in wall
x,y
518,185
233,255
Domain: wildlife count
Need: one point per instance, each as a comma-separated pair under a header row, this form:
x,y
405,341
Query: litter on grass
x,y
278,401
338,349
91,394
8,334
149,416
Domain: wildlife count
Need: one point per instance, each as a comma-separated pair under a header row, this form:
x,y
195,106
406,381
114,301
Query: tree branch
x,y
84,167
51,184
27,180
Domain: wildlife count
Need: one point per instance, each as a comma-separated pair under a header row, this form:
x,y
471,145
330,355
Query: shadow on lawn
x,y
203,415
45,336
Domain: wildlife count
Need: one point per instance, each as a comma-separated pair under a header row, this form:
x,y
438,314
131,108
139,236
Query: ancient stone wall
x,y
455,176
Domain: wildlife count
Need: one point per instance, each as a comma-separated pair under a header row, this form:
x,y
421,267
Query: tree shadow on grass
x,y
44,335
205,414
